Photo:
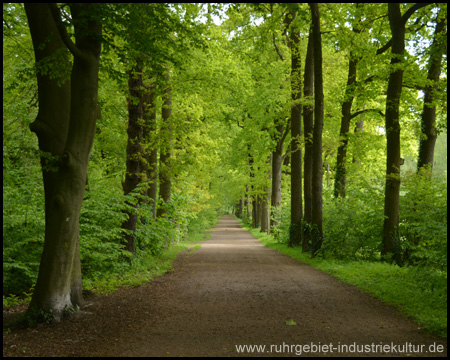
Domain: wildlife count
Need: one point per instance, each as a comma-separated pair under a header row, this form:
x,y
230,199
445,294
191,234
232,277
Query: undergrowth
x,y
144,266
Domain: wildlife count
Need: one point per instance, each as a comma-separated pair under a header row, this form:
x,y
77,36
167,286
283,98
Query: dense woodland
x,y
129,127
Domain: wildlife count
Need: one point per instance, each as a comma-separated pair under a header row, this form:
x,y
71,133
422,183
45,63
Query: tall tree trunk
x,y
340,178
429,136
392,190
397,24
277,161
165,182
255,222
317,217
133,176
248,202
265,208
59,278
295,233
308,126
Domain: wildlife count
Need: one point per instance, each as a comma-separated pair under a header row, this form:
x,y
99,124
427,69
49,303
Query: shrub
x,y
423,219
353,226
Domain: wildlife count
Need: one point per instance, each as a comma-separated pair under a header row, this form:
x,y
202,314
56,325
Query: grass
x,y
418,292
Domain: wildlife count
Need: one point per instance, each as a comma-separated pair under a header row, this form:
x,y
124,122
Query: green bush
x,y
101,231
353,226
23,230
423,219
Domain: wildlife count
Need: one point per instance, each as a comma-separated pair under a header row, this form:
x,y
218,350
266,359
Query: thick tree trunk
x,y
308,126
54,286
317,217
295,234
133,175
52,122
392,190
429,136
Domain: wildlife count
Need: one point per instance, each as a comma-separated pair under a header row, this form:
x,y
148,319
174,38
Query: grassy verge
x,y
419,293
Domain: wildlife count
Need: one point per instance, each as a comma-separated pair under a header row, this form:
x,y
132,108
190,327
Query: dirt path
x,y
232,291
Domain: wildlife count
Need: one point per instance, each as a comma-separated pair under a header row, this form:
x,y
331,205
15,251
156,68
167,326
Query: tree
x,y
317,215
295,235
133,175
71,123
428,119
308,126
339,183
150,147
397,23
362,18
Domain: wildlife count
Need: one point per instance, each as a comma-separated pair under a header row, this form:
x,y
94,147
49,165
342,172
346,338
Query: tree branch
x,y
276,48
405,18
385,47
365,110
412,10
286,131
63,32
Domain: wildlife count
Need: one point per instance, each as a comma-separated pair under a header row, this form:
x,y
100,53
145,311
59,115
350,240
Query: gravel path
x,y
232,292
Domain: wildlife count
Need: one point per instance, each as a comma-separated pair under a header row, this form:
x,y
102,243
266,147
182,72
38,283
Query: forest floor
x,y
232,291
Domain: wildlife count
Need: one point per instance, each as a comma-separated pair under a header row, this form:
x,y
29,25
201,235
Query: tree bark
x,y
277,161
133,175
317,173
392,190
340,178
428,120
255,222
295,234
308,126
59,280
265,201
397,23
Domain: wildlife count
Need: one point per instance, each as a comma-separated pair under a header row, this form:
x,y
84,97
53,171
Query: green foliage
x,y
100,229
423,224
353,226
23,224
230,89
146,265
282,217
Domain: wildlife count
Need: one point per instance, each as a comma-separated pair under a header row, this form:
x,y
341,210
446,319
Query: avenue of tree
x,y
323,124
